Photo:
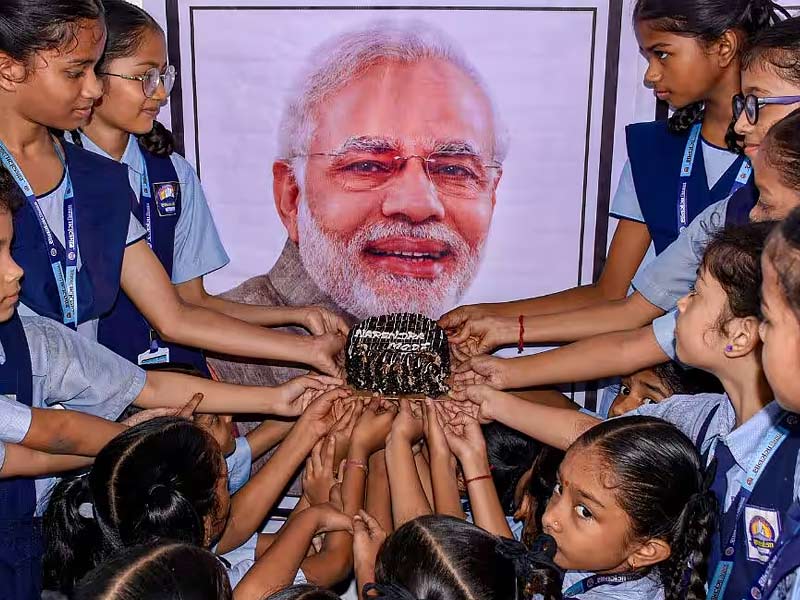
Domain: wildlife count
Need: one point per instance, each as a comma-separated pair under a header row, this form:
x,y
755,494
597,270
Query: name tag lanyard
x,y
689,153
731,518
593,581
63,260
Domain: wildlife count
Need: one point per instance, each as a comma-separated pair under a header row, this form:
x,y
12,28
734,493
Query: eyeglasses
x,y
151,79
451,174
751,104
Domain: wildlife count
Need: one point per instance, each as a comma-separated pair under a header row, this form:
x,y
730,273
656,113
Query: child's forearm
x,y
333,562
251,505
69,432
266,436
446,498
169,390
407,494
25,462
379,503
487,511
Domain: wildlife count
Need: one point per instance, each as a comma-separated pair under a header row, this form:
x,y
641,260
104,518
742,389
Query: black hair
x,y
510,454
776,48
126,25
303,591
441,557
11,198
733,257
30,26
680,380
166,570
706,20
155,480
783,251
781,147
659,481
539,489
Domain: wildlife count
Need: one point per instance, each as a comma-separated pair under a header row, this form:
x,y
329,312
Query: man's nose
x,y
412,194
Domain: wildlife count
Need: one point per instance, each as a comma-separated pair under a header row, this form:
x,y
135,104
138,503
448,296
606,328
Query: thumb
x,y
188,410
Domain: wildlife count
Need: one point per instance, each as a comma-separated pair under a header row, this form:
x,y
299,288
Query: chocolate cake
x,y
401,353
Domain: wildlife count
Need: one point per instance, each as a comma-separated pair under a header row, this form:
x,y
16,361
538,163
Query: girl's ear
x,y
728,46
12,73
652,552
287,195
742,337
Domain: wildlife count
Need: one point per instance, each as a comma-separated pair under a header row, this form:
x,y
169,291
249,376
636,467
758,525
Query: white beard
x,y
334,266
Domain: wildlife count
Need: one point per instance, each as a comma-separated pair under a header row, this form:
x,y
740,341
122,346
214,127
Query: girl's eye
x,y
625,390
74,74
649,401
557,488
583,512
660,54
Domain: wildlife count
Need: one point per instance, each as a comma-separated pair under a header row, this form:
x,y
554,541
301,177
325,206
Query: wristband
x,y
478,478
521,344
357,464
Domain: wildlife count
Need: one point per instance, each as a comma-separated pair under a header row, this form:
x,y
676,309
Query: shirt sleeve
x,y
671,275
664,330
79,373
687,413
2,455
136,231
239,464
198,248
15,420
625,204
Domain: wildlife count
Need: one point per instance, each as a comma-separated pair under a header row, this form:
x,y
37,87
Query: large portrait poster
x,y
417,156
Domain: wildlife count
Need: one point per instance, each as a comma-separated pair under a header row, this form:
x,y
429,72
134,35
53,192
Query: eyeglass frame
x,y
405,159
143,78
759,104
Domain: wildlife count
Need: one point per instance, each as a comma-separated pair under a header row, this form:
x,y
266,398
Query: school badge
x,y
166,198
763,530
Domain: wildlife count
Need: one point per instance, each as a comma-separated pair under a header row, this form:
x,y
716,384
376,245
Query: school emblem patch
x,y
763,531
166,198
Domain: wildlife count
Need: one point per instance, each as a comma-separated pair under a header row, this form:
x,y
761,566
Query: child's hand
x,y
433,418
407,426
318,476
318,418
476,401
326,353
330,516
296,394
187,412
318,320
484,334
220,428
373,426
368,537
465,438
478,370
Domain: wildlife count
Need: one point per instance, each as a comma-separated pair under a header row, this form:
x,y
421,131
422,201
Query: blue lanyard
x,y
791,530
776,435
65,274
146,201
689,153
593,581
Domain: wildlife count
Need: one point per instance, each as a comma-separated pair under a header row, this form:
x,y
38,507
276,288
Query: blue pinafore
x,y
125,330
670,178
20,531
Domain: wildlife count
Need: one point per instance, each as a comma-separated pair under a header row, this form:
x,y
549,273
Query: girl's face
x,y
590,527
780,334
59,86
680,69
215,524
762,83
123,105
775,200
700,344
643,387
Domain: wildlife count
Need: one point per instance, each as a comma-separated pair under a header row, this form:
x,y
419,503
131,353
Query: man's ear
x,y
12,72
287,196
652,552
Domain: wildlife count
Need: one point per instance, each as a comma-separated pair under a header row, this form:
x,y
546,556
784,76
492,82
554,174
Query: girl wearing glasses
x,y
676,168
75,236
171,205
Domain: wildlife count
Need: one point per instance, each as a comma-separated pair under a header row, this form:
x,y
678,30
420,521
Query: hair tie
x,y
527,561
390,591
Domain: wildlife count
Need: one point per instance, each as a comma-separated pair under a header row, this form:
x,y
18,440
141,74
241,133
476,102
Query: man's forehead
x,y
414,104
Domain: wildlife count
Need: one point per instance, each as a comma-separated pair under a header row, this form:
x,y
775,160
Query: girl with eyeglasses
x,y
171,205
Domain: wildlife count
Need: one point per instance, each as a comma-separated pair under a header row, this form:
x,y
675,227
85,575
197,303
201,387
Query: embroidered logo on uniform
x,y
166,198
763,531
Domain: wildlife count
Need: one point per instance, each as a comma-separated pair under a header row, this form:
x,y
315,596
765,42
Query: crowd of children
x,y
122,483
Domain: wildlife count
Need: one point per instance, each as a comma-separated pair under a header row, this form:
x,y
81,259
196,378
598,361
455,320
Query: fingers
x,y
372,525
188,410
326,462
316,456
326,380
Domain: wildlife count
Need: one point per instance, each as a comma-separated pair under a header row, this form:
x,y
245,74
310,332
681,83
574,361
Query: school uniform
x,y
240,560
239,462
584,585
170,203
757,481
44,364
71,240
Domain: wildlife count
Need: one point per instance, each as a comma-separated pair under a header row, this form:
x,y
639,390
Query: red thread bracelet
x,y
521,344
478,478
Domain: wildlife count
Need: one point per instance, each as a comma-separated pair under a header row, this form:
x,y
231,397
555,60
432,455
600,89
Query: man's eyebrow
x,y
368,143
456,147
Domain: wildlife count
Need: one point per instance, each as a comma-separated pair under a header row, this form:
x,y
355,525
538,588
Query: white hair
x,y
345,57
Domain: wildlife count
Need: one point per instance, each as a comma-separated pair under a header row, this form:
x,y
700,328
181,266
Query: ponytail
x,y
159,140
73,539
684,118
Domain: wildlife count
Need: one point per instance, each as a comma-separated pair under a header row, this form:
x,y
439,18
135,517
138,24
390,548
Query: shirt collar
x,y
132,157
744,441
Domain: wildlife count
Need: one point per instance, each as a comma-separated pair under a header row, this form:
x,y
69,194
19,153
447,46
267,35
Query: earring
x,y
729,348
